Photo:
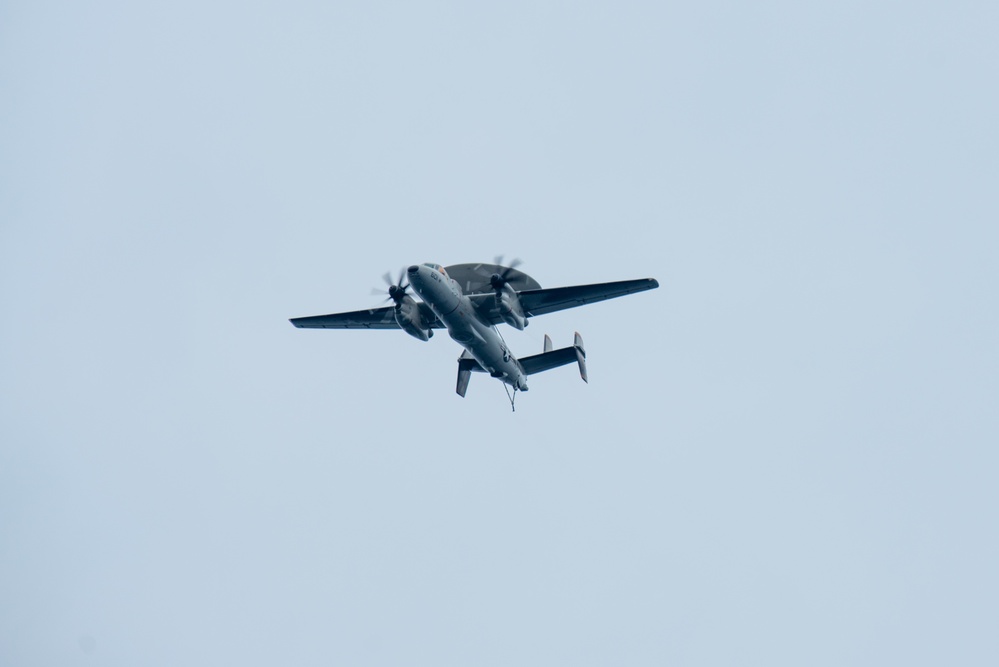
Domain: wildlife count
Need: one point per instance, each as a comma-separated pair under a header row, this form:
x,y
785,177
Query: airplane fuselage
x,y
455,310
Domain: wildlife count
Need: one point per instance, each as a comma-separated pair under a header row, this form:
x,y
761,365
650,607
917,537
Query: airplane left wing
x,y
374,318
542,301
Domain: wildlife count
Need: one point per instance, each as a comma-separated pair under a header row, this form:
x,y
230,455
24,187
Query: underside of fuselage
x,y
485,345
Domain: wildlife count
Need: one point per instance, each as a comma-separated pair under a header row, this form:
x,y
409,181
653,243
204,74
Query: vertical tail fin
x,y
580,357
463,377
466,364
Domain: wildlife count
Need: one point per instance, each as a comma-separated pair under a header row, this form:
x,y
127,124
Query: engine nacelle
x,y
409,318
509,309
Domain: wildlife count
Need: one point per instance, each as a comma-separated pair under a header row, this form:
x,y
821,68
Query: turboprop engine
x,y
509,308
407,313
507,301
409,318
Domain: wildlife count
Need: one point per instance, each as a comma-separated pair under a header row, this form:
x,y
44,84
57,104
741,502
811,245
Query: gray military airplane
x,y
469,300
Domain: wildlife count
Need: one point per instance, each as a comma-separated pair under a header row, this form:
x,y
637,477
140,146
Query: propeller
x,y
396,291
499,280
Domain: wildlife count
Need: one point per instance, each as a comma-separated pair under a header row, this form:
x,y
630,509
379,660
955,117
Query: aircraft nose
x,y
414,269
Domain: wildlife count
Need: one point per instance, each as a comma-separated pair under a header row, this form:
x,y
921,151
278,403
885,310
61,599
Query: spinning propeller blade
x,y
499,280
396,291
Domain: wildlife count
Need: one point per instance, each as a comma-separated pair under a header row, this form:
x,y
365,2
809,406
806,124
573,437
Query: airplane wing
x,y
374,318
543,301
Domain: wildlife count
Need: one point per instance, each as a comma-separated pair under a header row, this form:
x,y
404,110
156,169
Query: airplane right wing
x,y
543,301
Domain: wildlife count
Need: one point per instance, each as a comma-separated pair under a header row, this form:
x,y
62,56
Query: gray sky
x,y
786,455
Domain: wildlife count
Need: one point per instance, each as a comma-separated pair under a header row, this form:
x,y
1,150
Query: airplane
x,y
470,300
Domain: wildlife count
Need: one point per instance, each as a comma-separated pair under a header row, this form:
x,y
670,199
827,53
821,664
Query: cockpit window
x,y
436,267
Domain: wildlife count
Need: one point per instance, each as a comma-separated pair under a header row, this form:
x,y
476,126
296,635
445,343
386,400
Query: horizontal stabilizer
x,y
546,361
550,359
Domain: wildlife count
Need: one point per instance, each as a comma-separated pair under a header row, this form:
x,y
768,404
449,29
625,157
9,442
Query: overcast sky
x,y
786,455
